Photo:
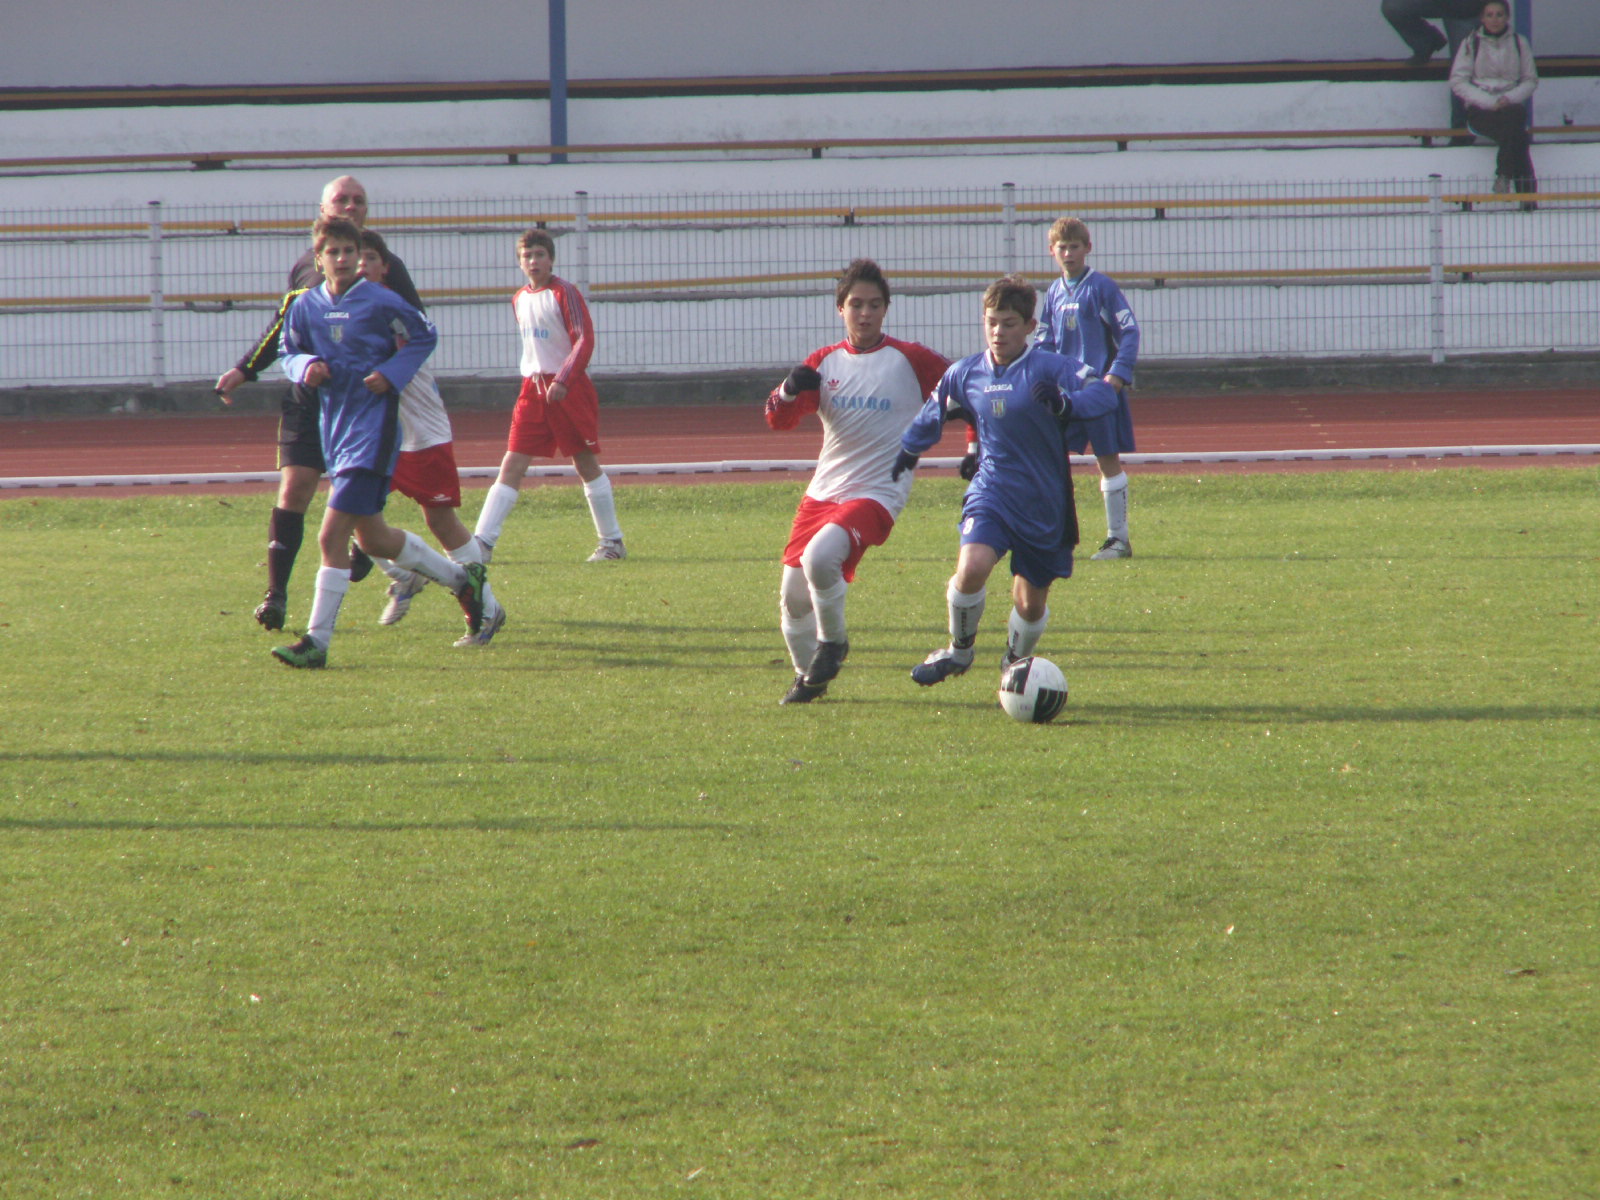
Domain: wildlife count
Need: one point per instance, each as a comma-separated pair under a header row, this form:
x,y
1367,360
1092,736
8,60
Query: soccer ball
x,y
1033,689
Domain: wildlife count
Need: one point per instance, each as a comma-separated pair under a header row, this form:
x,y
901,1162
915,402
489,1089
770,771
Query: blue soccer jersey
x,y
355,334
1023,477
1089,318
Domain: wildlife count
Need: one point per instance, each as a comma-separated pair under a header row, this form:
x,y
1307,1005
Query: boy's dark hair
x,y
1014,293
371,239
862,270
331,229
537,237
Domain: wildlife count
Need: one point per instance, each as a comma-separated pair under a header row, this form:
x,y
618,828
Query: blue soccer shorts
x,y
358,492
1039,566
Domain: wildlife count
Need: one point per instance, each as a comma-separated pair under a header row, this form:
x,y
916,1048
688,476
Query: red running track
x,y
1243,422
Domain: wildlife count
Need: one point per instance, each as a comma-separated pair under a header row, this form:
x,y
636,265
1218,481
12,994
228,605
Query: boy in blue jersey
x,y
340,339
1021,399
1086,316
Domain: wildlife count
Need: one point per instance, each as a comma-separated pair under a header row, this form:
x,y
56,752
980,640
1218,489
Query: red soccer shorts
x,y
429,476
866,521
540,429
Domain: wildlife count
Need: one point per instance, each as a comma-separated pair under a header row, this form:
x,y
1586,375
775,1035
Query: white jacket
x,y
1487,68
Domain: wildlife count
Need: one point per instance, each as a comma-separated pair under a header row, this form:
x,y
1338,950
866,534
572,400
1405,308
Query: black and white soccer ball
x,y
1033,690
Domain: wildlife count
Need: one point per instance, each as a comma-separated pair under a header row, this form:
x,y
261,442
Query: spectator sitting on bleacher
x,y
1494,75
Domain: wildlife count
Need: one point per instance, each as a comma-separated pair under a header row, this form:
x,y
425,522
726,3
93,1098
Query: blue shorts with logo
x,y
1040,567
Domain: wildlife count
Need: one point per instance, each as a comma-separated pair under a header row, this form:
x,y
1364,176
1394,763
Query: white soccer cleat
x,y
491,626
609,550
1112,547
401,592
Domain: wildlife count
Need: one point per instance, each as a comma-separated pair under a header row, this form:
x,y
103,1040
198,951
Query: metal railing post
x,y
1009,216
158,333
1436,268
582,230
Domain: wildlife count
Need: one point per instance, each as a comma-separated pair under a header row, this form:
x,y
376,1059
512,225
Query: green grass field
x,y
1298,899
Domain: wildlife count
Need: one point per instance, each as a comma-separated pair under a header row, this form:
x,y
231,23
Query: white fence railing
x,y
685,284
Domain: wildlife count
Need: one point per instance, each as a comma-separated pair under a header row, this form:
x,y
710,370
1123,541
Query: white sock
x,y
393,569
1115,492
966,610
497,506
823,564
796,619
1023,635
422,558
332,584
603,507
829,607
469,552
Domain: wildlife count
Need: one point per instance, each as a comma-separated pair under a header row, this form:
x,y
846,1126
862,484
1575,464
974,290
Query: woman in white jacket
x,y
1494,74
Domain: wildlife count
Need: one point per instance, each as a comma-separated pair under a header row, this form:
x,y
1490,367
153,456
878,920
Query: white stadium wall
x,y
153,43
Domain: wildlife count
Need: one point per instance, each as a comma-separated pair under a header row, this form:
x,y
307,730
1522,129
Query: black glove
x,y
904,461
969,467
801,379
1049,395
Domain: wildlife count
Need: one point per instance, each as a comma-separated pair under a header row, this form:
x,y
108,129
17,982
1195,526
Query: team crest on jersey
x,y
337,333
1071,315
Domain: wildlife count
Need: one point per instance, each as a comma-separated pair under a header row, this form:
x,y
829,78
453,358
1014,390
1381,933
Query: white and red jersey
x,y
557,333
867,399
423,420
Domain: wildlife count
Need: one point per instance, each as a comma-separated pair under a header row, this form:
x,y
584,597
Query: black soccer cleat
x,y
271,611
360,563
825,663
803,692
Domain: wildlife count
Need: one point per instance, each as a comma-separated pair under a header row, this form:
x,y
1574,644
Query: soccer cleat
x,y
304,653
271,611
485,550
609,550
360,563
1112,547
803,692
491,626
825,663
470,596
401,592
941,665
1008,658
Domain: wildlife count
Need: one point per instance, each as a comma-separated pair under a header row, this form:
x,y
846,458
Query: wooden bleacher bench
x,y
215,160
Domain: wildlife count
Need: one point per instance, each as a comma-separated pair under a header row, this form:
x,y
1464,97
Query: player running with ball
x,y
1020,501
864,389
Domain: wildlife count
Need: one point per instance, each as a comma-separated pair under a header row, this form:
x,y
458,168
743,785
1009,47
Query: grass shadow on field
x,y
497,825
234,758
1288,714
